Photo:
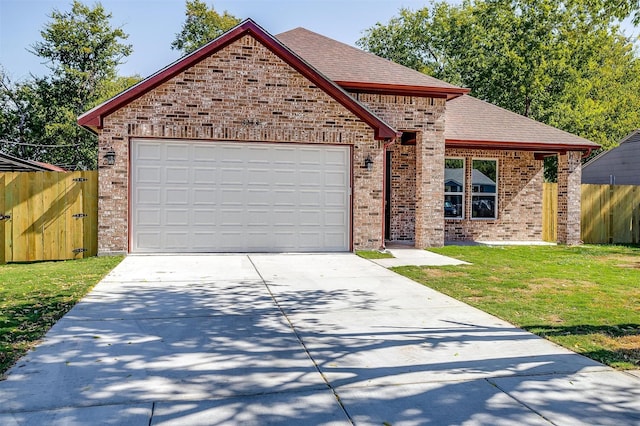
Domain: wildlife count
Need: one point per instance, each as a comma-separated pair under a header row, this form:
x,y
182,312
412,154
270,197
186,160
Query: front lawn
x,y
374,254
584,298
34,296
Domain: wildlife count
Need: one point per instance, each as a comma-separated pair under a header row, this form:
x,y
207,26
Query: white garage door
x,y
236,197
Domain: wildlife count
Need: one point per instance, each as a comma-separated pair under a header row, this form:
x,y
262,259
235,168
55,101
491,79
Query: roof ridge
x,y
93,118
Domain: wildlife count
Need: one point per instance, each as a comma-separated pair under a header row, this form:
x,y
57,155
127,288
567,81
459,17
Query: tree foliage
x,y
202,24
562,62
82,52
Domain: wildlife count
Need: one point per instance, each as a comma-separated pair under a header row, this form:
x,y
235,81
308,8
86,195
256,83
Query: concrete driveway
x,y
297,339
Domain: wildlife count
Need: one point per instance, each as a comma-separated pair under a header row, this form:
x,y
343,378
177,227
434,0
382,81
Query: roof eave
x,y
93,119
405,90
520,146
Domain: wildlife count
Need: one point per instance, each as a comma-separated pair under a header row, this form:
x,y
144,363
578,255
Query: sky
x,y
152,25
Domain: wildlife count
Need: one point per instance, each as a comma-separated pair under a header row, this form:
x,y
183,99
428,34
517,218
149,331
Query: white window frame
x,y
464,188
486,194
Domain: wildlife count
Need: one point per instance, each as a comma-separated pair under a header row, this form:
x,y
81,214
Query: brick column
x,y
569,186
429,226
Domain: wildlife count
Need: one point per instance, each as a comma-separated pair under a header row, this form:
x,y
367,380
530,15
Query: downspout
x,y
384,186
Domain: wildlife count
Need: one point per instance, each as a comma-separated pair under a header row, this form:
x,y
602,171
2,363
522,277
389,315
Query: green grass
x,y
34,296
374,254
584,298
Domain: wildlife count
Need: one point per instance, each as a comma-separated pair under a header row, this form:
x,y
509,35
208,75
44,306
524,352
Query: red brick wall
x,y
569,197
403,192
520,178
242,93
417,195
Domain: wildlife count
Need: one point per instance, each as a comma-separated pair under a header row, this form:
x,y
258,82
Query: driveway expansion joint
x,y
306,350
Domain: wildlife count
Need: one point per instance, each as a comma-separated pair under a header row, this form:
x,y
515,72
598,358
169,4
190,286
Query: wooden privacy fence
x,y
550,212
610,214
48,216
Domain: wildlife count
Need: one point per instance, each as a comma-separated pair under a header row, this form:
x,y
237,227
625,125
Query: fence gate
x,y
48,215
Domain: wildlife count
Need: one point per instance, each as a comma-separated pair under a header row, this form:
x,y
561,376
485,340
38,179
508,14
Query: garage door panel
x,y
217,196
204,196
334,217
202,239
149,174
310,218
176,196
150,217
177,175
177,153
335,179
148,151
233,176
232,197
148,196
177,240
311,198
204,153
334,199
177,217
336,157
204,218
204,176
258,177
149,240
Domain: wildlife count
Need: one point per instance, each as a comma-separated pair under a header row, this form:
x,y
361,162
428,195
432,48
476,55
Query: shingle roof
x,y
355,69
474,123
9,163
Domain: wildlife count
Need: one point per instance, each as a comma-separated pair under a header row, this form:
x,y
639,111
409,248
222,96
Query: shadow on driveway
x,y
297,339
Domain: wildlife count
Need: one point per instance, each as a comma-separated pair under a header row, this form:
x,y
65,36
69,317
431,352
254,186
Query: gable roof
x,y
356,70
473,123
93,119
617,166
9,163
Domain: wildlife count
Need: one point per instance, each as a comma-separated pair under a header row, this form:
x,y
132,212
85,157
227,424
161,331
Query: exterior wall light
x,y
110,156
368,163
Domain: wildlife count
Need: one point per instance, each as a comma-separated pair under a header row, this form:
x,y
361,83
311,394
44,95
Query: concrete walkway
x,y
406,256
297,339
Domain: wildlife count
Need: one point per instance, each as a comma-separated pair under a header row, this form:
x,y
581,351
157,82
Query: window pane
x,y
483,206
453,175
484,175
453,206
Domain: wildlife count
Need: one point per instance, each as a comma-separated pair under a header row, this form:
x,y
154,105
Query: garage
x,y
204,196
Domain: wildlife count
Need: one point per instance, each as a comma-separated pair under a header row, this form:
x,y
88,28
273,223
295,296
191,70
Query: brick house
x,y
297,142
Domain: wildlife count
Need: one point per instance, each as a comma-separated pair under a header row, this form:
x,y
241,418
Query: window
x,y
454,188
484,196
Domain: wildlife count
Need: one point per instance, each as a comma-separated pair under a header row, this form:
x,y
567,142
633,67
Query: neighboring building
x,y
9,163
617,166
300,143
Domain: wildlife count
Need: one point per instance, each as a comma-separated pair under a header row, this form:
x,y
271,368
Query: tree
x,y
201,25
82,51
562,62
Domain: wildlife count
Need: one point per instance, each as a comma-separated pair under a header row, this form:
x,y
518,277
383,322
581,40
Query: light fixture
x,y
368,163
110,156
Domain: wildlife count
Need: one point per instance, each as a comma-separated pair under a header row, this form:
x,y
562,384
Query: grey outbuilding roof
x,y
617,166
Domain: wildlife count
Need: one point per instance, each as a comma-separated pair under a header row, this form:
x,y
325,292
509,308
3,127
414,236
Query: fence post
x,y
3,243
